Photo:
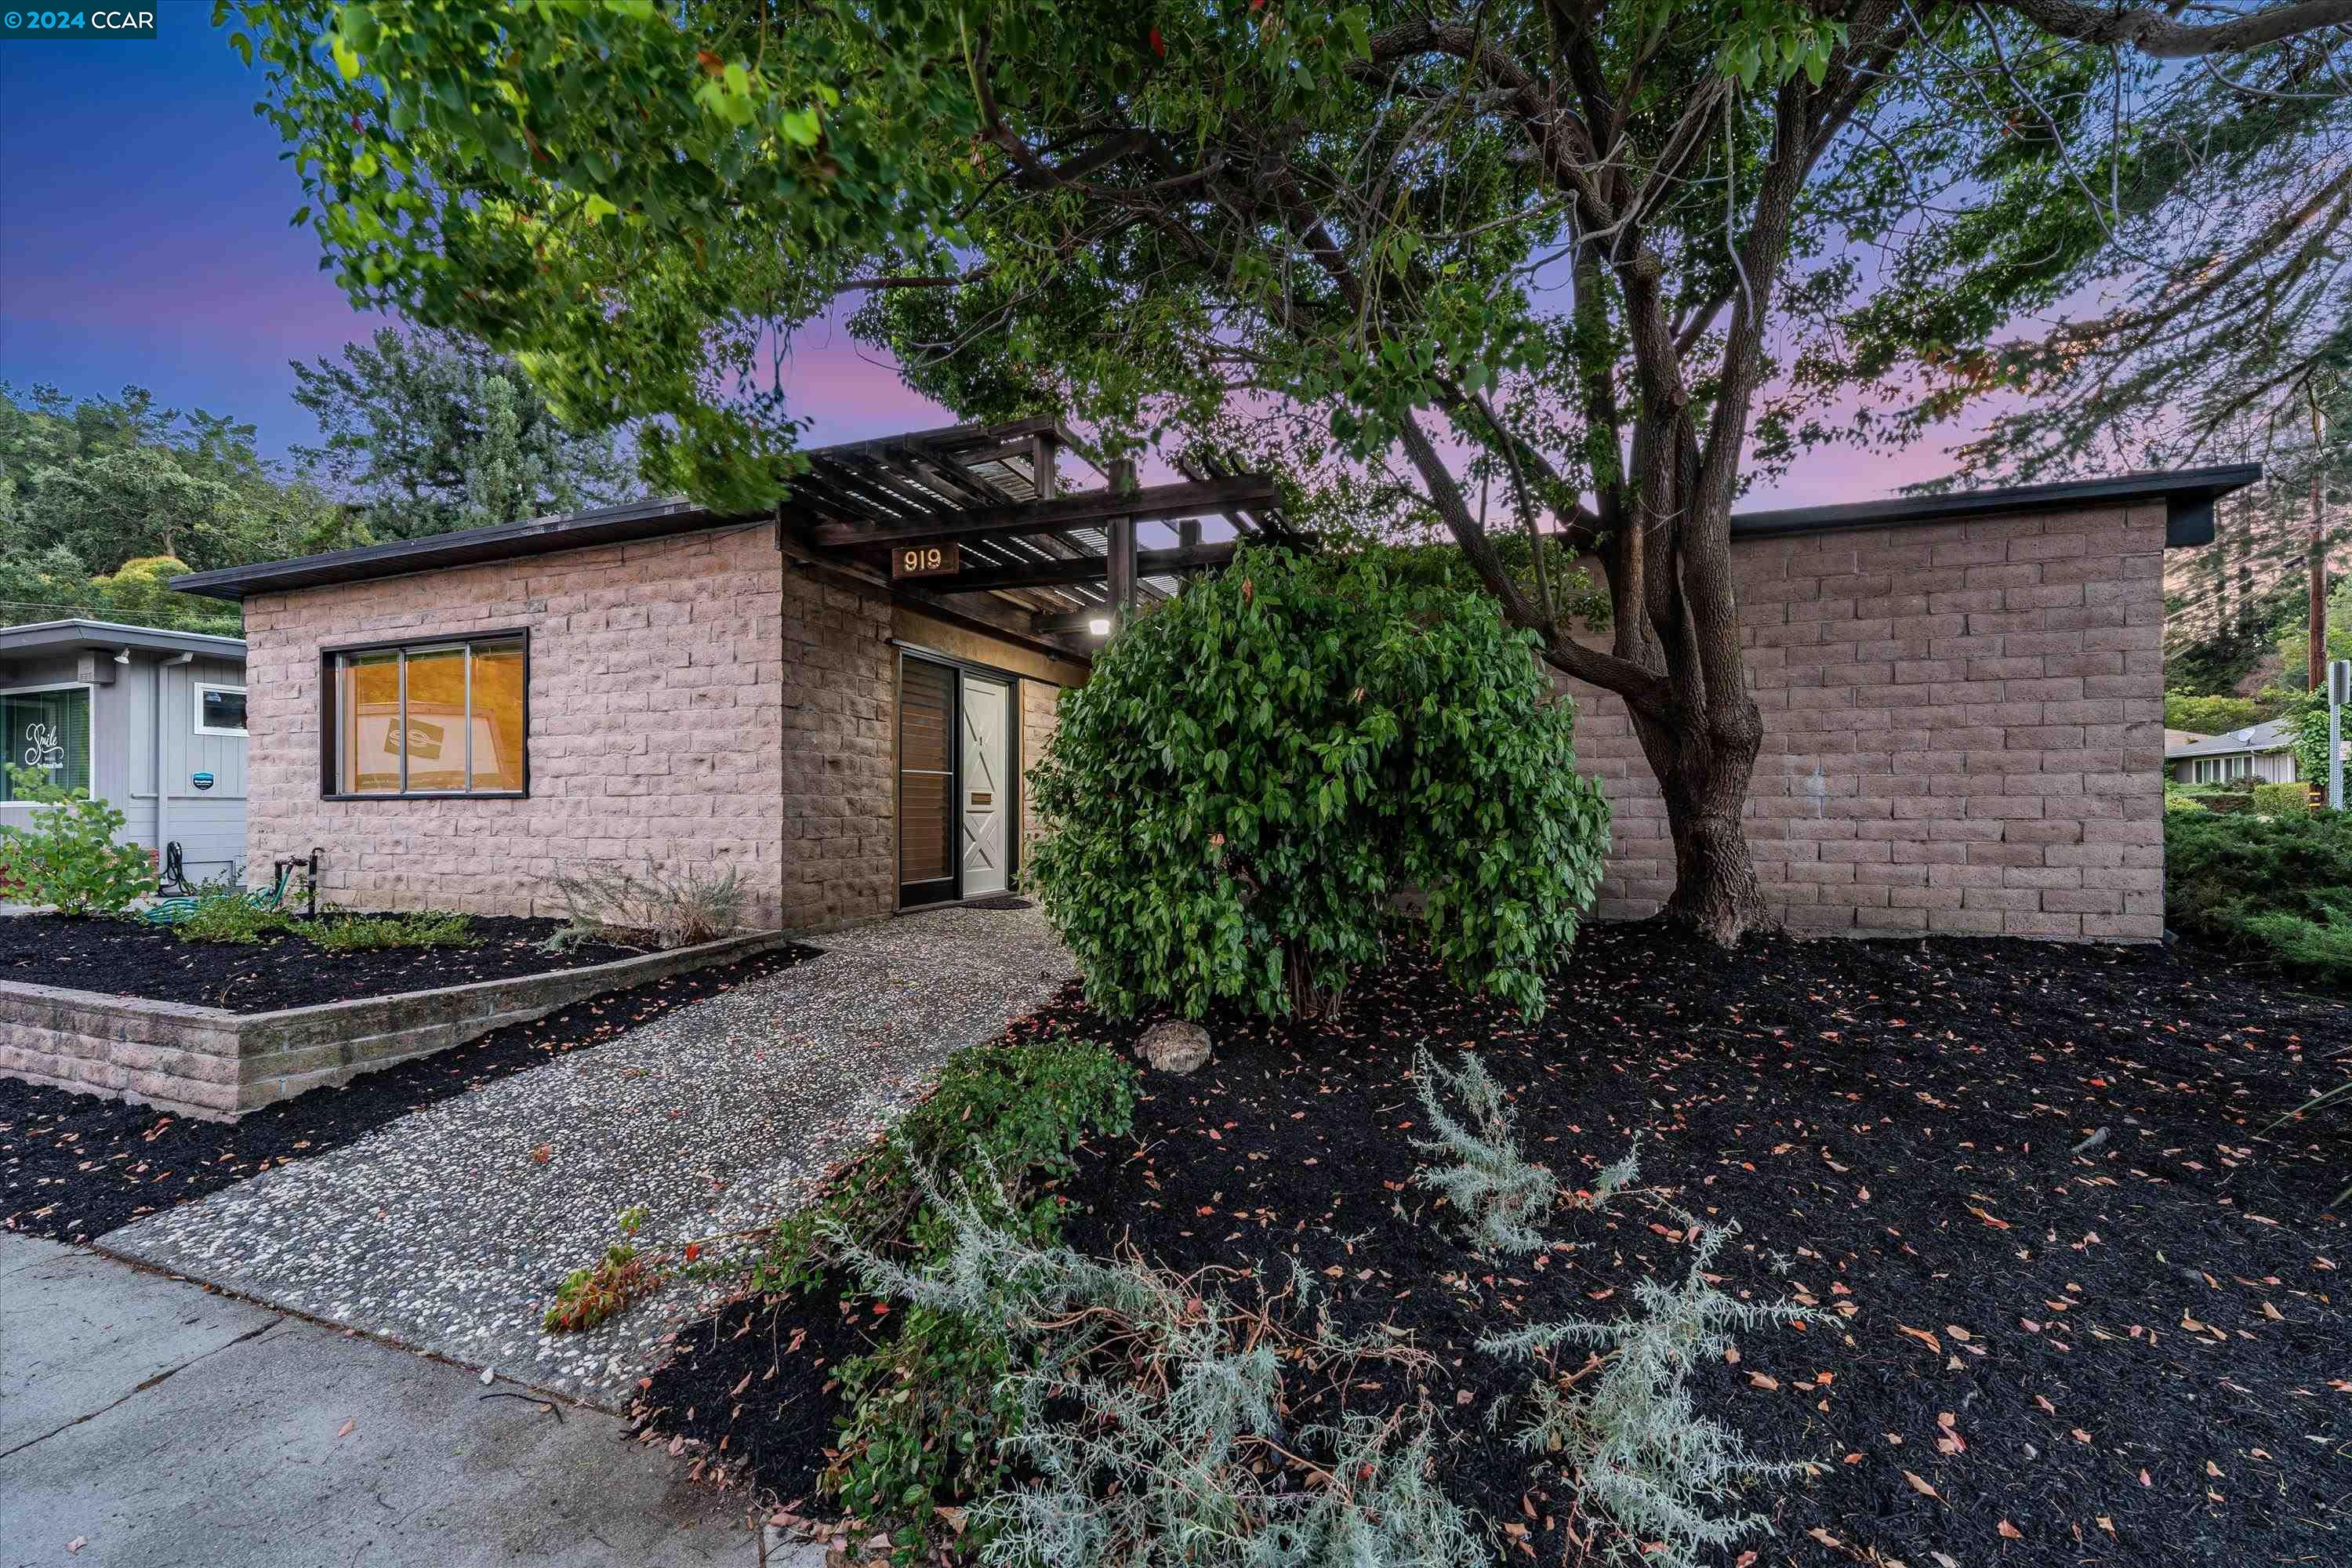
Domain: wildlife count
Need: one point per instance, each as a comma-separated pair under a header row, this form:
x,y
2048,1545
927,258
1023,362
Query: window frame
x,y
89,716
196,699
330,726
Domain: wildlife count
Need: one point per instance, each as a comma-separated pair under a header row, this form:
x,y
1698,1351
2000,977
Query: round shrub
x,y
1257,767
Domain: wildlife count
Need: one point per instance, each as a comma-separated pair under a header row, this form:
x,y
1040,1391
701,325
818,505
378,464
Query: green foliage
x,y
64,852
2294,631
1632,1441
2178,799
429,432
1499,1193
1154,1418
102,500
928,1408
2310,716
228,913
589,1296
1255,769
2281,799
2211,715
369,933
2277,889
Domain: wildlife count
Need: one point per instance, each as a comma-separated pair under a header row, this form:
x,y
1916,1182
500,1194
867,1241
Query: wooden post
x,y
1121,534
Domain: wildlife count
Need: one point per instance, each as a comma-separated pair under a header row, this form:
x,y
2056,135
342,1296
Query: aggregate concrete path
x,y
446,1231
147,1422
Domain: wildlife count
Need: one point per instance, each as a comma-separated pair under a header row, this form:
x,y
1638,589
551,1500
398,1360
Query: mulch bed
x,y
132,958
75,1166
2140,1353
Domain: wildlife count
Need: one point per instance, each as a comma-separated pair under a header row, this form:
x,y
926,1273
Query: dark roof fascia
x,y
468,547
2189,495
49,637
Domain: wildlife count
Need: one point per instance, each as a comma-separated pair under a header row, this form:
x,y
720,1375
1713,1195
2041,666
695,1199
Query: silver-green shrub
x,y
1153,1420
1500,1193
1638,1448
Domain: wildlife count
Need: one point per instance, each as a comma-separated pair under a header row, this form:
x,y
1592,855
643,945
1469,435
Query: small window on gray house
x,y
220,710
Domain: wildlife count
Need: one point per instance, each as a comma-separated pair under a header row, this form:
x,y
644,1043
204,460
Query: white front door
x,y
987,785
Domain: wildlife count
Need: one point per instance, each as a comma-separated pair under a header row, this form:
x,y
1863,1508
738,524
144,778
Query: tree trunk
x,y
1703,771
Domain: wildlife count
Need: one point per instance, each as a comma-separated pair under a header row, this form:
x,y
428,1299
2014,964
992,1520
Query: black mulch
x,y
2139,1355
75,1166
132,958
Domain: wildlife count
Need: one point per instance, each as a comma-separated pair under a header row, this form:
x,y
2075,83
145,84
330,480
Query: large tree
x,y
426,432
1595,258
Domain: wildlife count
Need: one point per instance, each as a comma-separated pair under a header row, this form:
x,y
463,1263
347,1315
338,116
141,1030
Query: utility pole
x,y
2340,692
2316,661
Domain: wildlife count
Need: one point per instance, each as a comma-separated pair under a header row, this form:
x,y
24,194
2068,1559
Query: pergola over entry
x,y
975,519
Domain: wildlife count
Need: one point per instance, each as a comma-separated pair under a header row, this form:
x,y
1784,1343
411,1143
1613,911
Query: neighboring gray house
x,y
2263,753
151,721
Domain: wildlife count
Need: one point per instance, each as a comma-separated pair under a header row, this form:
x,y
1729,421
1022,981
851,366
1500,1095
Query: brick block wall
x,y
1963,730
658,704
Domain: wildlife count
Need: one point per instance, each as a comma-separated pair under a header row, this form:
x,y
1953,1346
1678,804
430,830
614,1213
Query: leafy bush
x,y
2205,715
367,934
2178,799
1638,1448
2281,799
1497,1190
661,908
224,913
64,853
1256,769
2278,889
1155,1419
928,1410
589,1296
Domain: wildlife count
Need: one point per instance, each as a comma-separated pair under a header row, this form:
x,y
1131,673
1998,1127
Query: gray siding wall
x,y
208,825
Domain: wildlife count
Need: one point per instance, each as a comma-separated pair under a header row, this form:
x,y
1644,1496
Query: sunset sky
x,y
143,241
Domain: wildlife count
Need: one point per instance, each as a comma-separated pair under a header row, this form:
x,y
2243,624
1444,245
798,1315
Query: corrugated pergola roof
x,y
1037,559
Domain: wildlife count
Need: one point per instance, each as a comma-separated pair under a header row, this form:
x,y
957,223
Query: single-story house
x,y
1963,693
153,722
2263,752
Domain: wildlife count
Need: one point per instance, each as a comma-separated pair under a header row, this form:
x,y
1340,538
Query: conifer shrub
x,y
1630,1439
1152,1429
1256,769
2282,800
1501,1195
2278,889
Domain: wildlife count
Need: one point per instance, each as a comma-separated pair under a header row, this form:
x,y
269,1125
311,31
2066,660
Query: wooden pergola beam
x,y
1087,569
1151,503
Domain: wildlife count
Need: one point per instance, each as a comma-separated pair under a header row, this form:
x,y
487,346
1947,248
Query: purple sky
x,y
143,241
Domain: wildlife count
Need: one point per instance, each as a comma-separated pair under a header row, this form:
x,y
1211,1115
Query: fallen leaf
x,y
1920,1486
2010,1532
345,1430
1759,1380
1923,1336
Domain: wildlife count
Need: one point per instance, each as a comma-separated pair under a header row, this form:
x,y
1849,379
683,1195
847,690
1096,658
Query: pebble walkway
x,y
446,1231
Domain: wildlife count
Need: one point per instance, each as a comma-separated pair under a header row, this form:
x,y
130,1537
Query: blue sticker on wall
x,y
202,781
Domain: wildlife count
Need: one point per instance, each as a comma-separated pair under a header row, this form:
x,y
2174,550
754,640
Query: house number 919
x,y
925,561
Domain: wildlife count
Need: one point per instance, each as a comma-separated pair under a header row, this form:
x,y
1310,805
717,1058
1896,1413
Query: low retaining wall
x,y
211,1063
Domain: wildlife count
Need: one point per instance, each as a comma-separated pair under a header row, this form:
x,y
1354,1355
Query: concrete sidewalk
x,y
159,1425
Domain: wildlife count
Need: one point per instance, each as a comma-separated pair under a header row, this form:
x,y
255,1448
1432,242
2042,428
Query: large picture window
x,y
46,729
440,717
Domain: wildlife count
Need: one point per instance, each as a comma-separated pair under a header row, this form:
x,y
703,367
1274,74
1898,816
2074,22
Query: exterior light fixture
x,y
124,656
1099,625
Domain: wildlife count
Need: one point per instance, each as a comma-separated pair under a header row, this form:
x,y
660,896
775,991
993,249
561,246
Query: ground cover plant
x,y
2275,889
75,1166
1256,770
257,961
923,1412
2067,1294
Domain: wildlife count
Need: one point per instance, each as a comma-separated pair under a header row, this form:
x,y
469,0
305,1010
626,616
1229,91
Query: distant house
x,y
2263,752
151,721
